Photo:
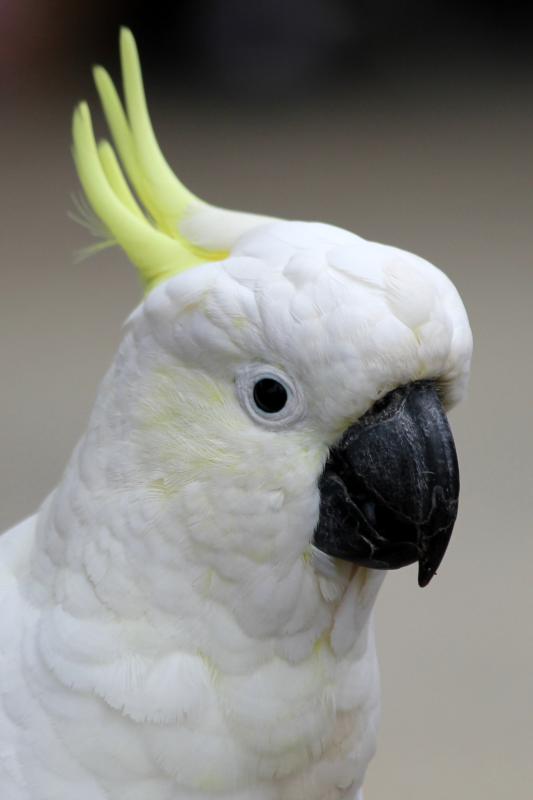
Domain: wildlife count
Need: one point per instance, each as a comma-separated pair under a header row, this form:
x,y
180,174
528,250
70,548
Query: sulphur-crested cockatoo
x,y
189,615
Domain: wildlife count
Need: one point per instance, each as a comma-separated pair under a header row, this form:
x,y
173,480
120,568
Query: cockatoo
x,y
189,614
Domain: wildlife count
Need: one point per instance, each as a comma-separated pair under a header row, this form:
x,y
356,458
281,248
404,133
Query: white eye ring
x,y
253,378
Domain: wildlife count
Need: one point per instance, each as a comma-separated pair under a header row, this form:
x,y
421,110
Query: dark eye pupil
x,y
270,395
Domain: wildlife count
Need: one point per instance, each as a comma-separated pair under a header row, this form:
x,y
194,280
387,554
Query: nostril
x,y
382,403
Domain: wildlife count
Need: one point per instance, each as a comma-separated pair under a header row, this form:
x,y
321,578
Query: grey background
x,y
438,161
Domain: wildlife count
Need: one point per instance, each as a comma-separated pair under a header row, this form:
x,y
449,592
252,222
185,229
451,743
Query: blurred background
x,y
408,122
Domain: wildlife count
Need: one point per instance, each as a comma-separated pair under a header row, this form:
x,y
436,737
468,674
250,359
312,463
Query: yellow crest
x,y
145,209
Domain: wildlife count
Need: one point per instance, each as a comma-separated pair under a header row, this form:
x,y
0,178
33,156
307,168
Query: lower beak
x,y
390,487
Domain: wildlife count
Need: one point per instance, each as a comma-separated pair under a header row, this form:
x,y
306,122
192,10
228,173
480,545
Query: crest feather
x,y
147,226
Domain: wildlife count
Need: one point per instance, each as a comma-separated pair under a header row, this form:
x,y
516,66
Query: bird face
x,y
306,380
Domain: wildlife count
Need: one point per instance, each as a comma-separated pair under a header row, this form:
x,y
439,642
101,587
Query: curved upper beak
x,y
390,488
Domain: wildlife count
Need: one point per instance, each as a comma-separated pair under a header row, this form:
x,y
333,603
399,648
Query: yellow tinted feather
x,y
152,241
170,197
116,178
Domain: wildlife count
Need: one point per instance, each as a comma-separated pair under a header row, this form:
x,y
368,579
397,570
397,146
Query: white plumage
x,y
165,632
168,630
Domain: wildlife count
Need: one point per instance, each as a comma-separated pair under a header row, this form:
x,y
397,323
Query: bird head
x,y
283,387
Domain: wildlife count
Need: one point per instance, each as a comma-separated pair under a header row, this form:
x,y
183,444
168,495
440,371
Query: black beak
x,y
390,487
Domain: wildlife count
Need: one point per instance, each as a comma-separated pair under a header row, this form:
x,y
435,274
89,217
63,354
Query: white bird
x,y
189,615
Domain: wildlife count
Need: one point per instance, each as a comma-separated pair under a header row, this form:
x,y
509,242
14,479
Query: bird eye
x,y
269,396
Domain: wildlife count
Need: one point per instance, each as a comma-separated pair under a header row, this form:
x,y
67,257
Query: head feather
x,y
160,224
